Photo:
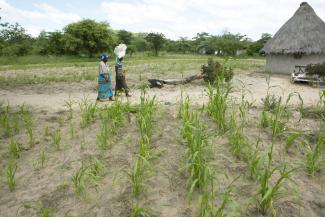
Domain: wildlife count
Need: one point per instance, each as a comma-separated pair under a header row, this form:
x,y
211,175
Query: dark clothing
x,y
156,83
120,80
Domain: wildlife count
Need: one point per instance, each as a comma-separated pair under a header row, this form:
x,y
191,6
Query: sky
x,y
173,18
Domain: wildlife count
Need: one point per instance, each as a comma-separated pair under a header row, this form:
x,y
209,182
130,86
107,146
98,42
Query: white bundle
x,y
120,50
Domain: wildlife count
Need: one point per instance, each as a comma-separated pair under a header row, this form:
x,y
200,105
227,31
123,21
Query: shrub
x,y
316,69
214,69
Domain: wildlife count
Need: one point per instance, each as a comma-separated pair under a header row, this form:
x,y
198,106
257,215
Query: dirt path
x,y
53,97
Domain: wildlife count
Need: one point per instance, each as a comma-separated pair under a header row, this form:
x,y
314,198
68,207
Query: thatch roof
x,y
304,33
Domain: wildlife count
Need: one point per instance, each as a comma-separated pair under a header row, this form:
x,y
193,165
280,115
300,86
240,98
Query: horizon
x,y
175,19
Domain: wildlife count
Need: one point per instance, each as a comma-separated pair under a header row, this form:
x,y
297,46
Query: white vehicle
x,y
299,74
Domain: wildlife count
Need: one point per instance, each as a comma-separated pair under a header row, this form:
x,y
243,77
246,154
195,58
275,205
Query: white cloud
x,y
174,18
177,18
44,17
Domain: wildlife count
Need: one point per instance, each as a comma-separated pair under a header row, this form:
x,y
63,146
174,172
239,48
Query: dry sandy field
x,y
62,143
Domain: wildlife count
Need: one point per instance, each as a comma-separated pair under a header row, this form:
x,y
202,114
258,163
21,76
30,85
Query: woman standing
x,y
120,78
104,80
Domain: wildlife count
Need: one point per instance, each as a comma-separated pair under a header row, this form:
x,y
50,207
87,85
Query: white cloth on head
x,y
120,50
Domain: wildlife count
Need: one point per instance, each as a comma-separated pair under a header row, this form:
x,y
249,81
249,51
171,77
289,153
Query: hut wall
x,y
285,64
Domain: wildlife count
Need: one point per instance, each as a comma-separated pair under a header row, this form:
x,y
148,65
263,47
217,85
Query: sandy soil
x,y
53,96
166,190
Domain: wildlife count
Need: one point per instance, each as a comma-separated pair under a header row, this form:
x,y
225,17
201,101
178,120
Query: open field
x,y
159,153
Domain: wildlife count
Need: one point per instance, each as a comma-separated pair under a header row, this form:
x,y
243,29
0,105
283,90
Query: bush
x,y
213,69
316,69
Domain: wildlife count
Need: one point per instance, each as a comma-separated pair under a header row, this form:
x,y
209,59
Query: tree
x,y
139,42
50,43
14,40
88,37
156,41
124,37
183,45
255,47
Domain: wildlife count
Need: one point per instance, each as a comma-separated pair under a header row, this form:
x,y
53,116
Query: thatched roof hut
x,y
300,41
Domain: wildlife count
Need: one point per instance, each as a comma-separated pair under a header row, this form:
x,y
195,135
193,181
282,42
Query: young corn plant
x,y
46,212
291,139
196,142
269,193
207,201
270,102
87,175
69,105
40,160
11,172
72,130
116,115
277,125
141,212
138,175
207,198
102,138
5,122
88,112
226,199
142,163
9,121
14,149
254,162
238,141
314,157
56,139
78,180
28,121
265,120
217,105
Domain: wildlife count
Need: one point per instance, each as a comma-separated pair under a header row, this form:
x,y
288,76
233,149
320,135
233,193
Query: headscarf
x,y
103,56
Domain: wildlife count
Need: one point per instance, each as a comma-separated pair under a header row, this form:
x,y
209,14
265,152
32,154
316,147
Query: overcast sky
x,y
174,18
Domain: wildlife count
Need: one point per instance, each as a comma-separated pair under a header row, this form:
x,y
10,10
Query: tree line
x,y
89,38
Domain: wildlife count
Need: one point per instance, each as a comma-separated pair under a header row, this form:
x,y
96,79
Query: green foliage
x,y
193,133
15,41
183,45
211,70
9,120
56,139
50,43
139,43
255,47
254,162
88,112
291,138
314,156
87,175
28,121
78,180
141,212
156,41
112,119
14,149
46,212
88,37
40,160
316,69
270,102
10,173
142,164
268,193
217,105
124,37
226,44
